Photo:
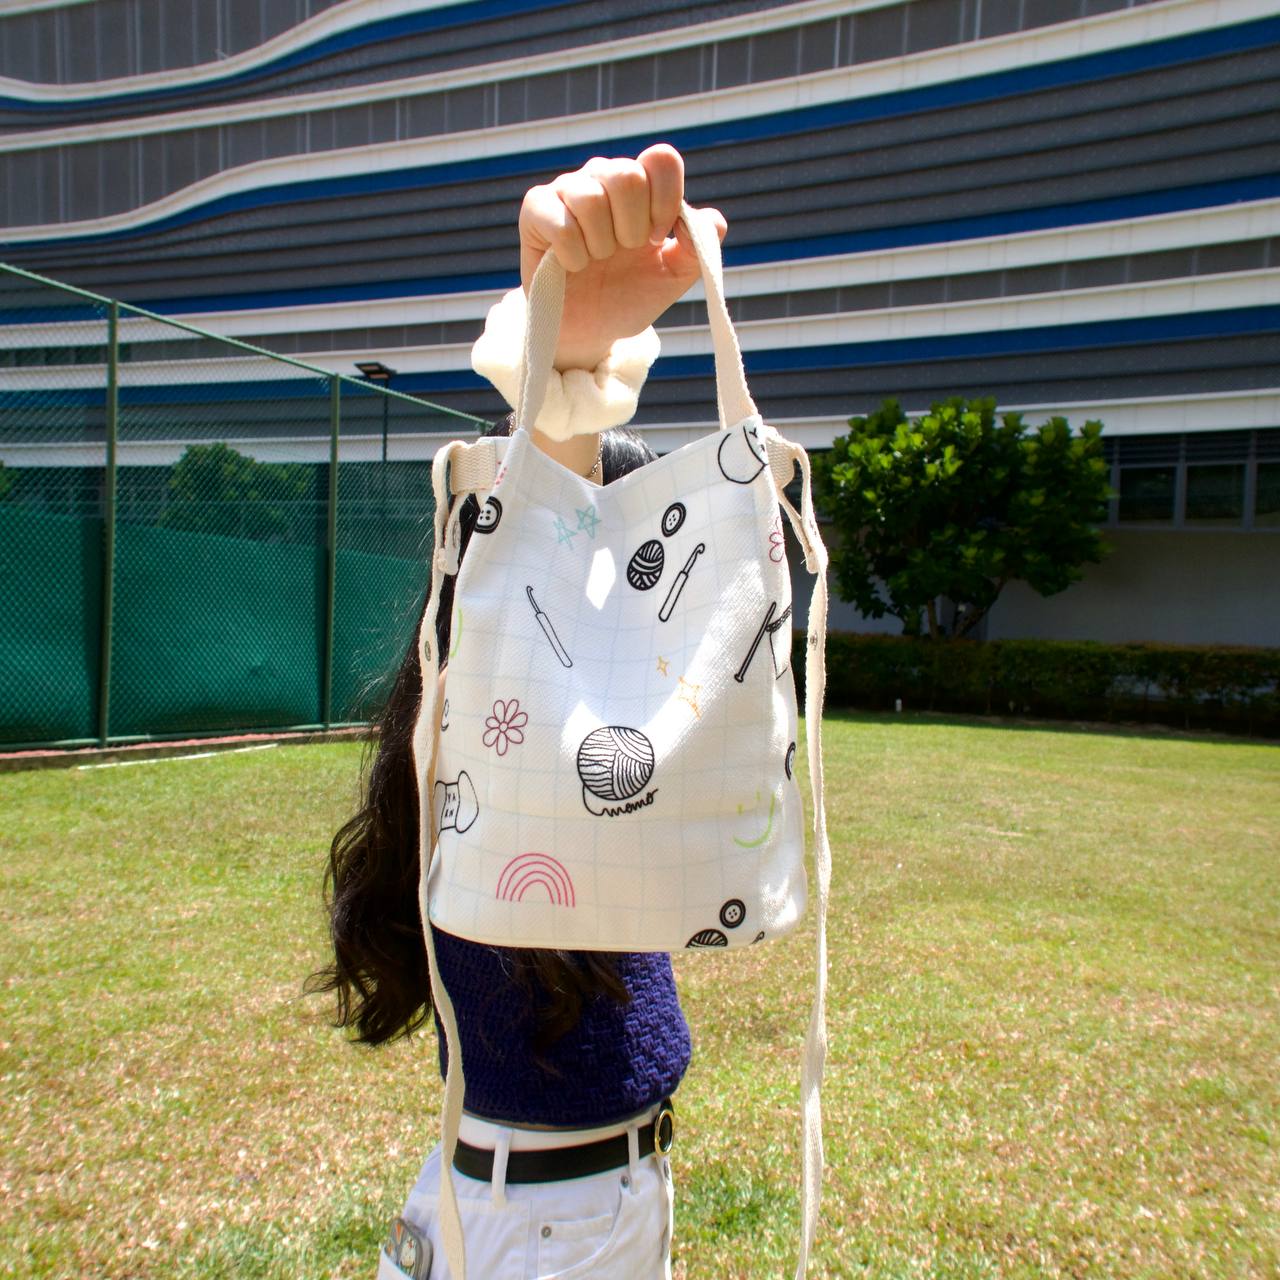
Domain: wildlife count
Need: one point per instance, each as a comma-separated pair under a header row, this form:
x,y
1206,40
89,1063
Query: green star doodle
x,y
564,533
587,519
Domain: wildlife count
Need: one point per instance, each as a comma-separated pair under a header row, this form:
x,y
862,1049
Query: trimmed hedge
x,y
1221,687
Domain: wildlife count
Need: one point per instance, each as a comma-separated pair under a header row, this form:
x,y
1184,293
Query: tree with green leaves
x,y
956,504
216,489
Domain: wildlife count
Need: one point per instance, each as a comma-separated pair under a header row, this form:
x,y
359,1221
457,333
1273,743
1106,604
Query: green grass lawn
x,y
1055,1049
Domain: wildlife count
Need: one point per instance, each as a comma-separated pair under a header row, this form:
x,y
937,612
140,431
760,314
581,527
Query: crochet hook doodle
x,y
678,585
549,631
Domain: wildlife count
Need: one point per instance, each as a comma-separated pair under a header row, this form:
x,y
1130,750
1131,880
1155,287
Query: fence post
x,y
109,523
331,552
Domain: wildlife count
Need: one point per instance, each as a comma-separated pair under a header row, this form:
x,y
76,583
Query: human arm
x,y
606,223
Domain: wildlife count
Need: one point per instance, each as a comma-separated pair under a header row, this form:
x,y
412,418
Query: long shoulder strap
x,y
783,454
455,464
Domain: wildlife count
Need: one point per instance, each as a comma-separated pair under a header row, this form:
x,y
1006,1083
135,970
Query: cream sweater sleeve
x,y
578,401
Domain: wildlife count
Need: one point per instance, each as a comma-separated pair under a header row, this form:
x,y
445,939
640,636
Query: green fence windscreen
x,y
172,557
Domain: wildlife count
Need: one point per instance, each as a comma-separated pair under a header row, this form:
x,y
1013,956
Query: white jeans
x,y
614,1225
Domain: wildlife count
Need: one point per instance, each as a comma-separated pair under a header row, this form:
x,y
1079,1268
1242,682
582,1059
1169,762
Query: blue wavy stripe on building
x,y
447,16
1209,195
1193,47
828,358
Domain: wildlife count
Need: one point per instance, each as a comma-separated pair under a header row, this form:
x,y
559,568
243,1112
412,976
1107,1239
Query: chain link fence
x,y
197,536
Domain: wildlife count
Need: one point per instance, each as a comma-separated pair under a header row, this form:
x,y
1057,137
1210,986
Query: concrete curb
x,y
49,758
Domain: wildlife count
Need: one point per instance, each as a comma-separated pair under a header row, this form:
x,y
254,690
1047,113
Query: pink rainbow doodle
x,y
527,870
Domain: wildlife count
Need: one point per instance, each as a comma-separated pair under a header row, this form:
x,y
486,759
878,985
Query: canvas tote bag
x,y
615,765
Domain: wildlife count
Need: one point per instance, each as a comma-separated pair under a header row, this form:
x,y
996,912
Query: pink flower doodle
x,y
505,726
777,547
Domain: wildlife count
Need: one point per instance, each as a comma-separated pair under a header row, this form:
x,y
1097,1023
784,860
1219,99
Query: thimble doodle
x,y
456,804
615,764
740,455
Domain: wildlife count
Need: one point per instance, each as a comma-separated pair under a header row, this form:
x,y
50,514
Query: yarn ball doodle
x,y
790,760
733,913
672,519
645,567
708,938
490,514
615,763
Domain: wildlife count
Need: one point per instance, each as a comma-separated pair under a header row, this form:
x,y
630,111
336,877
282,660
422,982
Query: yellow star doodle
x,y
691,696
662,665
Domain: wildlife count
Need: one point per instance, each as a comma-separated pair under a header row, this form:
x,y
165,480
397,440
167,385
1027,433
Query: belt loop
x,y
633,1157
501,1150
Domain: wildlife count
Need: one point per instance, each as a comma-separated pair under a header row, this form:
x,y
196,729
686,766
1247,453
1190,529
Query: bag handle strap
x,y
783,455
546,307
457,457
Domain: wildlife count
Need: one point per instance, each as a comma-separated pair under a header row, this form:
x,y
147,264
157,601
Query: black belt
x,y
557,1163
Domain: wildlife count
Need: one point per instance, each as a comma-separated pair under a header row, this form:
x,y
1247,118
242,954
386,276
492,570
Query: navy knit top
x,y
616,1062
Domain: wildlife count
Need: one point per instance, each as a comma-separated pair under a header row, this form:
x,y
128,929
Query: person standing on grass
x,y
571,1057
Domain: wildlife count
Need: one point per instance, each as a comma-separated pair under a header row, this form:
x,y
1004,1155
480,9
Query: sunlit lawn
x,y
1055,1042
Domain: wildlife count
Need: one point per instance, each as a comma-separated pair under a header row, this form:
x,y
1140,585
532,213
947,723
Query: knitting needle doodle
x,y
549,631
769,625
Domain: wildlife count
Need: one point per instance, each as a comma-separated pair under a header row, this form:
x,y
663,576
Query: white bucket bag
x,y
616,768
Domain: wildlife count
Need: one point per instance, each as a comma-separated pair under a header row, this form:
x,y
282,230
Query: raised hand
x,y
608,224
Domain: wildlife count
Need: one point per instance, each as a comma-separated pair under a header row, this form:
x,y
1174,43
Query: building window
x,y
1205,480
1215,494
1266,506
1147,494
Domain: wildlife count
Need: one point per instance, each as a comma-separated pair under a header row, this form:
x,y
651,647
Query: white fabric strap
x,y
815,681
426,741
546,307
473,467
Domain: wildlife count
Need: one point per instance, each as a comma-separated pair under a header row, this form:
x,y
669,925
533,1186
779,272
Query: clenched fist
x,y
608,224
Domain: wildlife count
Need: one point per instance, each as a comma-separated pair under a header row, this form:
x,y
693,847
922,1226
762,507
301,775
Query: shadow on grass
x,y
721,1203
1114,728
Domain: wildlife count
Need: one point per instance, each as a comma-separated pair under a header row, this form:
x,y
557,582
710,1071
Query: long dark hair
x,y
370,889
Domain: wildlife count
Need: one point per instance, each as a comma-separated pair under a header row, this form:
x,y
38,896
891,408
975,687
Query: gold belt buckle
x,y
664,1129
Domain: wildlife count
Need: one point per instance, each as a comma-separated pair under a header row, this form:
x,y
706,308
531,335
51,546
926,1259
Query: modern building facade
x,y
1070,205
